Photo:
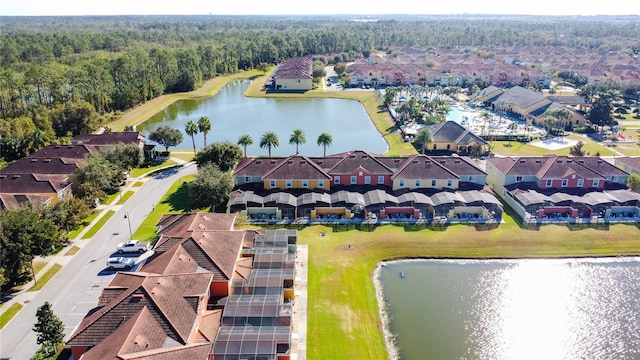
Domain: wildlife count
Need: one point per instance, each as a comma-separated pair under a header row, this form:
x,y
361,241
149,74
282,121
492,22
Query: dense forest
x,y
61,76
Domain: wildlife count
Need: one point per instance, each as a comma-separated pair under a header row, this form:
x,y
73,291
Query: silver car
x,y
120,263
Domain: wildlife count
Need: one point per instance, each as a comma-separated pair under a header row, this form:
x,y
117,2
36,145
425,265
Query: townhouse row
x,y
563,187
358,184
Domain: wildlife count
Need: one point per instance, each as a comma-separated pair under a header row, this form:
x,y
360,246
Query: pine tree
x,y
49,327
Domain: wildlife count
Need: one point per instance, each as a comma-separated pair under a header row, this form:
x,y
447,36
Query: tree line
x,y
68,75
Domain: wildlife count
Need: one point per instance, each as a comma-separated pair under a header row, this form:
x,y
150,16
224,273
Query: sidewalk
x,y
24,296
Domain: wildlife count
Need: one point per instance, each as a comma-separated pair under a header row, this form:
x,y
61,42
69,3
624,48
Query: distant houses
x,y
294,74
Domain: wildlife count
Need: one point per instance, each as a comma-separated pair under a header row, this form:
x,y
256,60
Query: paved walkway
x,y
24,296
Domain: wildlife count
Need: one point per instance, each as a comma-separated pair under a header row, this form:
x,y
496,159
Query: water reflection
x,y
232,114
527,309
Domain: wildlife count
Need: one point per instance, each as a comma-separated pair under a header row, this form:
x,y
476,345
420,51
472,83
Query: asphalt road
x,y
77,286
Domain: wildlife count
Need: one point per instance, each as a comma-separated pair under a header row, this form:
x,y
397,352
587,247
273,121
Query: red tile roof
x,y
181,224
171,299
297,167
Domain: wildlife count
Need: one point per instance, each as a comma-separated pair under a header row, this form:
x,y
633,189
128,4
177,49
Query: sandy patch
x,y
554,143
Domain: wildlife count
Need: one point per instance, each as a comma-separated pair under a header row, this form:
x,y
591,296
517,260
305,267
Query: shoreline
x,y
389,337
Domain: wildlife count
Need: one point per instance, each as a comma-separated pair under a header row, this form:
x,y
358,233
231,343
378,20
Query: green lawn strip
x,y
176,200
138,184
89,234
186,155
342,310
38,265
44,279
9,313
126,196
72,251
73,234
112,197
514,148
137,172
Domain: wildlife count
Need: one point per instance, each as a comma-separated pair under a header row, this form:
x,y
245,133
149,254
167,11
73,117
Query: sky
x,y
324,7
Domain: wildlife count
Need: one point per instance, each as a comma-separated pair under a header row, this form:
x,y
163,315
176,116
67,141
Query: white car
x,y
120,263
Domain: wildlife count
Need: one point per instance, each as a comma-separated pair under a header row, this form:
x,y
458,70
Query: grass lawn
x,y
138,184
175,201
72,251
126,197
89,234
44,279
9,313
137,172
182,155
73,234
343,319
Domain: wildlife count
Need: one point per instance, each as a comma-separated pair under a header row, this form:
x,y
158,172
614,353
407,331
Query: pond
x,y
514,309
232,114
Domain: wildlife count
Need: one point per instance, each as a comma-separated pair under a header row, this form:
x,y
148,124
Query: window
x,y
596,182
565,182
433,183
549,182
336,179
354,179
448,146
472,178
580,182
305,183
401,183
417,182
289,183
380,179
367,179
272,183
320,183
518,178
449,183
247,179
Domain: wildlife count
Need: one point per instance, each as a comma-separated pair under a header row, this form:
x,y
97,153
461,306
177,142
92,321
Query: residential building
x,y
556,187
450,136
294,74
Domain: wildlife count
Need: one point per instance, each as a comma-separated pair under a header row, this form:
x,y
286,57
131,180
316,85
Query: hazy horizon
x,y
327,7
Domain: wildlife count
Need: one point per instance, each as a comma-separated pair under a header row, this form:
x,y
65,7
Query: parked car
x,y
120,263
133,246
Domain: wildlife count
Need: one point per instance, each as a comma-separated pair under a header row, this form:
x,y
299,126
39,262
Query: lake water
x,y
519,309
232,114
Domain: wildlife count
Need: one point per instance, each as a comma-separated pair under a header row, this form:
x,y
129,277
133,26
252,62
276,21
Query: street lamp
x,y
126,216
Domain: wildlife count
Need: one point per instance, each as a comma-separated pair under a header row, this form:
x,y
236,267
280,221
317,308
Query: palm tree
x,y
245,140
297,137
269,140
485,115
204,125
558,118
191,130
424,137
324,140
